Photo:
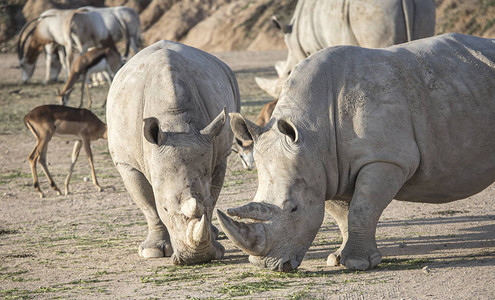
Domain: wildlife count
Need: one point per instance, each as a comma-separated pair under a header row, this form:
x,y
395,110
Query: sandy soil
x,y
85,245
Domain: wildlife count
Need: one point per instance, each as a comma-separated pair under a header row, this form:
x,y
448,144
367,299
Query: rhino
x,y
167,135
316,25
355,128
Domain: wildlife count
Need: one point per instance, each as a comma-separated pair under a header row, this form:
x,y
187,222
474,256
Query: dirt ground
x,y
85,245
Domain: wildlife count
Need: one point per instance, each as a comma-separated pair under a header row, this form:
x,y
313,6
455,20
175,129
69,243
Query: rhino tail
x,y
408,9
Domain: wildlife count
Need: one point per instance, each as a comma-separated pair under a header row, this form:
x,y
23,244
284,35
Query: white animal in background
x,y
123,23
43,33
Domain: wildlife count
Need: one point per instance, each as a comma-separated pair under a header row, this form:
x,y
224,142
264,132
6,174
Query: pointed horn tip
x,y
253,244
200,231
223,219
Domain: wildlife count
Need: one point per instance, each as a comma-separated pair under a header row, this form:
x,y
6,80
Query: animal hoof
x,y
333,260
150,253
156,251
375,259
356,263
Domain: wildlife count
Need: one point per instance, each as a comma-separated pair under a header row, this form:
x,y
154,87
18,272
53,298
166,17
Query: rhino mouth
x,y
198,245
280,265
254,236
192,256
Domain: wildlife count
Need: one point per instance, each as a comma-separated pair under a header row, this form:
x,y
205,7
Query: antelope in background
x,y
47,121
106,60
45,33
123,23
245,148
56,30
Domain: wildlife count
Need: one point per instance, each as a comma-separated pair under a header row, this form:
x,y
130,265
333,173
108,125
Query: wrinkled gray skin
x,y
168,137
359,127
316,25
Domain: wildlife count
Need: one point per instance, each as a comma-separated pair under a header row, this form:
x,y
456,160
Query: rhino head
x,y
277,228
181,169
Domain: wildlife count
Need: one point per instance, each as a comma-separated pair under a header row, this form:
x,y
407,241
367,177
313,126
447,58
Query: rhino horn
x,y
272,86
251,238
255,210
197,232
201,233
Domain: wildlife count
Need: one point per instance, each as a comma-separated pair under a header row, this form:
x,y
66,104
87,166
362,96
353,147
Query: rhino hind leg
x,y
339,210
157,243
376,185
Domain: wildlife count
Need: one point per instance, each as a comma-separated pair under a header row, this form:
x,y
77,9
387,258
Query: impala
x,y
47,121
105,60
245,148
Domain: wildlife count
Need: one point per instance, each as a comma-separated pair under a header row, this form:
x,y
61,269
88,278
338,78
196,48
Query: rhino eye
x,y
289,205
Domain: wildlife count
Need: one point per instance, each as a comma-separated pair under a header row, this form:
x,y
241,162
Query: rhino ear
x,y
288,128
276,22
151,130
213,129
243,129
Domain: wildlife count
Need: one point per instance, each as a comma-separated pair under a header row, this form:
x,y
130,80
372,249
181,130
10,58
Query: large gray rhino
x,y
317,24
359,127
166,112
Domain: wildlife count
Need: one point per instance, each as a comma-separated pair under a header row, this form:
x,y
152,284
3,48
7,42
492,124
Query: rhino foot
x,y
355,262
155,249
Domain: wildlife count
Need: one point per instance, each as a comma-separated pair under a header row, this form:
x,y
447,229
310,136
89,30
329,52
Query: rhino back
x,y
183,87
426,106
366,23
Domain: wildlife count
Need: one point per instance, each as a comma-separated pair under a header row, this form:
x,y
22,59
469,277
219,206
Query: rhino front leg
x,y
376,186
157,243
340,212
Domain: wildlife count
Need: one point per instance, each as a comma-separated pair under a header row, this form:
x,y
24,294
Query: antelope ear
x,y
288,128
151,130
213,129
276,22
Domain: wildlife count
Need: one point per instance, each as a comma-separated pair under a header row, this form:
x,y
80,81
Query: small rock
x,y
86,179
426,269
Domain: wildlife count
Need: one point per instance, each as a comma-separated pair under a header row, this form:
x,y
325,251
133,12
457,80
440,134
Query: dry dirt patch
x,y
85,245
